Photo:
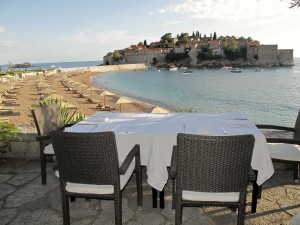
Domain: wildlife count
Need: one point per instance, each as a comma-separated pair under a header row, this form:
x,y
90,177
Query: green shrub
x,y
69,116
7,130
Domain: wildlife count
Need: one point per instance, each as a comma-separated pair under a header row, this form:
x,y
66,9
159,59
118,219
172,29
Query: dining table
x,y
156,133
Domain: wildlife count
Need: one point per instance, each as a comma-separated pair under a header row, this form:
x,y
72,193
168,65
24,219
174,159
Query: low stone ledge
x,y
25,145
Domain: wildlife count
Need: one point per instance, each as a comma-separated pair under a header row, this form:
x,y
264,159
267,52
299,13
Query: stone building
x,y
265,55
268,55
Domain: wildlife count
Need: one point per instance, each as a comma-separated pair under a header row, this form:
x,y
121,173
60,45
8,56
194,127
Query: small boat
x,y
183,68
173,68
259,70
235,70
188,71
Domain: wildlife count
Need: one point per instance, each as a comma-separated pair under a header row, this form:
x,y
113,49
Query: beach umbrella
x,y
106,93
91,88
157,109
82,86
123,100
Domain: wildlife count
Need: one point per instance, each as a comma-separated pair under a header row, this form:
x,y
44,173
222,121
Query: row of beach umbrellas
x,y
121,100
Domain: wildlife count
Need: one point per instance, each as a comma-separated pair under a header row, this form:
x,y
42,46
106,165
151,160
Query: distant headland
x,y
22,65
202,51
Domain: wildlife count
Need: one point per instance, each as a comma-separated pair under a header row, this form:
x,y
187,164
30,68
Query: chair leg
x,y
178,213
255,193
139,187
296,172
242,208
154,198
241,214
118,209
65,208
173,194
43,168
162,199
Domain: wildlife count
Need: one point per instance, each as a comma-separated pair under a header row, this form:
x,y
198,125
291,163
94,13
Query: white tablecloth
x,y
156,134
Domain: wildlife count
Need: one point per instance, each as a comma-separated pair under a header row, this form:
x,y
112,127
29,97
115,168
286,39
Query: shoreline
x,y
28,95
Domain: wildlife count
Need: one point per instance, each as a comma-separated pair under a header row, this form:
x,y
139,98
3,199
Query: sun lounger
x,y
104,108
93,101
8,100
10,95
4,109
4,119
82,95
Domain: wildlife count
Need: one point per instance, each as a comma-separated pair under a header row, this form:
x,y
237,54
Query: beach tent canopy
x,y
157,109
123,100
106,93
91,88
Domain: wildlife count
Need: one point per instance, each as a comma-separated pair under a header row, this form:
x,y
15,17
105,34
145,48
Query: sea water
x,y
56,65
270,95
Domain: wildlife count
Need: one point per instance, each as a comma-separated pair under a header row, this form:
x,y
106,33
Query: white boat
x,y
235,70
188,71
173,68
183,68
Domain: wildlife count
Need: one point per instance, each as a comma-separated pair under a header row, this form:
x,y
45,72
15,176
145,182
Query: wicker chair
x,y
46,119
89,168
285,150
211,171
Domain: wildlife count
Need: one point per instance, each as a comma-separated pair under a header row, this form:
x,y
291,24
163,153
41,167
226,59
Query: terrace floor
x,y
24,200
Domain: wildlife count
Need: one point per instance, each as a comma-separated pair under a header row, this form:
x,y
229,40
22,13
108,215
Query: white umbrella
x,y
91,88
157,109
123,100
106,93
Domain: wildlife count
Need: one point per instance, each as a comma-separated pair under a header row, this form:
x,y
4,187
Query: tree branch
x,y
295,3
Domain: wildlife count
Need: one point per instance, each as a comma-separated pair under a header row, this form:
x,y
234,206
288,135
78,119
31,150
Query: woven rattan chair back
x,y
210,164
213,163
47,118
88,158
297,127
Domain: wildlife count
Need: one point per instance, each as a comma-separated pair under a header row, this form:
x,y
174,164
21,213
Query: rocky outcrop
x,y
22,65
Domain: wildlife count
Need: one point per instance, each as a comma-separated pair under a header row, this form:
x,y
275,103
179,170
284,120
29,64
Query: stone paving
x,y
24,200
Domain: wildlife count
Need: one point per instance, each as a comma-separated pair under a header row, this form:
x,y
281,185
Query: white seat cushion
x,y
287,152
211,196
49,150
101,189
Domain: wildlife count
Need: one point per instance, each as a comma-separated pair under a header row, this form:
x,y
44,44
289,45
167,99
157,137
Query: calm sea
x,y
57,65
268,96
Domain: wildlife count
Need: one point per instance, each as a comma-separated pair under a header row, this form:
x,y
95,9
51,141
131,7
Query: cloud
x,y
9,43
2,30
171,23
225,9
80,38
151,12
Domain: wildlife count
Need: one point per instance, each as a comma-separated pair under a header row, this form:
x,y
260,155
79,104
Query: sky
x,y
41,31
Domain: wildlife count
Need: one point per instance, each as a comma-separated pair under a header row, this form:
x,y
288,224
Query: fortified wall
x,y
271,55
144,57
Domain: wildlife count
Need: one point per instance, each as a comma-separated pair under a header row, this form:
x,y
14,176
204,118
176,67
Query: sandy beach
x,y
28,94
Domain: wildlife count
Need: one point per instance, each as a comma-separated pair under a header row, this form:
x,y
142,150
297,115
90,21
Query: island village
x,y
202,52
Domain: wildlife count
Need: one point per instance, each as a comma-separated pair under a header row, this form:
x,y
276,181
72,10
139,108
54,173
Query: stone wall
x,y
25,146
106,68
285,57
267,54
144,57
